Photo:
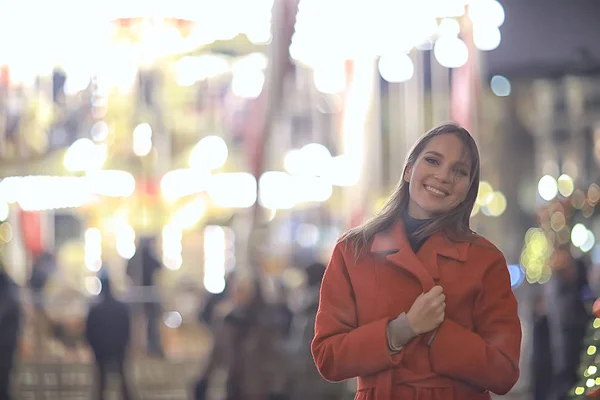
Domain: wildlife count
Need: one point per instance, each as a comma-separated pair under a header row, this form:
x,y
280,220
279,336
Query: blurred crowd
x,y
260,349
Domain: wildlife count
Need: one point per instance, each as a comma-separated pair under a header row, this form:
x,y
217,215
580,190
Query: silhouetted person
x,y
246,346
142,269
214,301
308,384
567,320
541,356
41,271
10,316
107,331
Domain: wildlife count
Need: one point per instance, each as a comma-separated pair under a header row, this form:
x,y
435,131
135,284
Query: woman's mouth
x,y
435,191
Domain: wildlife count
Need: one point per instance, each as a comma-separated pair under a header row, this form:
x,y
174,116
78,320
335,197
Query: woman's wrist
x,y
399,332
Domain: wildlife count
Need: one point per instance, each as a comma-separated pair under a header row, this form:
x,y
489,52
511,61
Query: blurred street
x,y
151,379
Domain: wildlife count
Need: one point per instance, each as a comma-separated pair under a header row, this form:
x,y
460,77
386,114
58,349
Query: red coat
x,y
475,350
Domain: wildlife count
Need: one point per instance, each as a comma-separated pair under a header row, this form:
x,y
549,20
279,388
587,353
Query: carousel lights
x,y
125,241
37,193
183,182
4,210
84,155
248,83
330,77
279,190
190,70
233,190
210,153
451,52
396,67
142,140
276,191
122,36
314,37
190,214
111,183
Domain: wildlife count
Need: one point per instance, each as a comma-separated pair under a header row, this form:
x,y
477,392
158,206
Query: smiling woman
x,y
440,178
444,158
413,302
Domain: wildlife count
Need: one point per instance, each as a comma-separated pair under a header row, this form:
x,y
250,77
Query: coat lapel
x,y
423,265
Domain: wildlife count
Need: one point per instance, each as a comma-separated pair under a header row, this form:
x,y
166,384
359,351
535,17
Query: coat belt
x,y
384,381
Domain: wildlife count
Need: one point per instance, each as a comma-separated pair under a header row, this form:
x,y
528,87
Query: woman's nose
x,y
444,175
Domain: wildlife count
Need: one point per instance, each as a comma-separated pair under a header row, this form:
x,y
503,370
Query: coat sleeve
x,y
343,349
488,357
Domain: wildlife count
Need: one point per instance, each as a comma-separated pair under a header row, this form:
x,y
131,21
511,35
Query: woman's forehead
x,y
450,147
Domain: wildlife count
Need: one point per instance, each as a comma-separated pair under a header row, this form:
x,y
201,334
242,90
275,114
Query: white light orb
x,y
547,187
396,68
449,27
579,235
210,153
486,13
451,52
487,38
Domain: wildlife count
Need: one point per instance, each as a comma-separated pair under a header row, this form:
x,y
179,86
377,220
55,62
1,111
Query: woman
x,y
414,303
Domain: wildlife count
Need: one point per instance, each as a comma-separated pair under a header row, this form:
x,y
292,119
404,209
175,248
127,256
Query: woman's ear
x,y
406,175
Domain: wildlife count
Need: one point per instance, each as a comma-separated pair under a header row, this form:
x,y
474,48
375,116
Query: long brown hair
x,y
455,222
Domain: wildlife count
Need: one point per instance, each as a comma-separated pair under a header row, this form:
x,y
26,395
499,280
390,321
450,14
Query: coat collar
x,y
394,240
423,265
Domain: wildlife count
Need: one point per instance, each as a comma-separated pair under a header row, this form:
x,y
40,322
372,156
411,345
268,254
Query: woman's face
x,y
440,178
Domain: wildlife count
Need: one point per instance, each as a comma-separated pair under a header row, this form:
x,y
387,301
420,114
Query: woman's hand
x,y
427,312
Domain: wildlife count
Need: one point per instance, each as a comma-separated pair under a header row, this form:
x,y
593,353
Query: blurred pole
x,y
440,91
413,101
265,109
546,156
162,134
575,160
406,114
465,90
396,148
361,138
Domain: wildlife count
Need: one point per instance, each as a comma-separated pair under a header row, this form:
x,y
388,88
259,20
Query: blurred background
x,y
171,146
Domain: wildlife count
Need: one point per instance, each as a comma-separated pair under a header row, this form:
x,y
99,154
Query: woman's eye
x,y
431,160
